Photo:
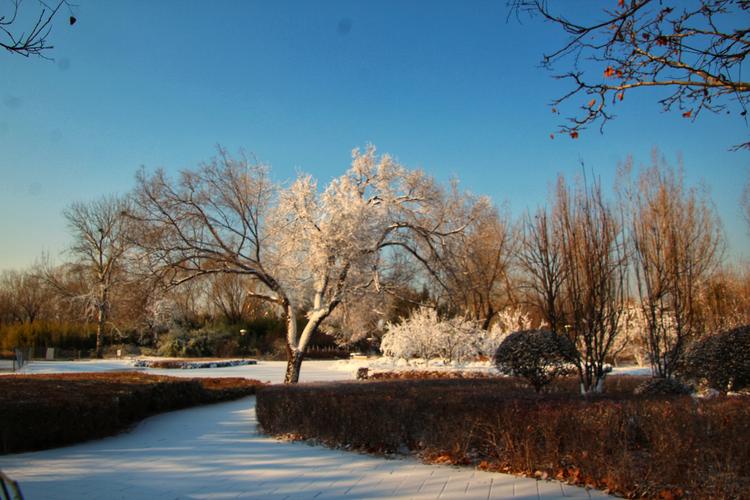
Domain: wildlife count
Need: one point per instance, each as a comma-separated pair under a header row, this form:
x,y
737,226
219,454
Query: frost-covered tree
x,y
309,248
507,321
630,338
362,316
426,336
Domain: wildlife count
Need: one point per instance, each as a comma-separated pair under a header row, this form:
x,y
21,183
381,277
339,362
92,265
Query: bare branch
x,y
645,43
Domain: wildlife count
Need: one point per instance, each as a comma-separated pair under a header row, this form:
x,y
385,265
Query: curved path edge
x,y
214,452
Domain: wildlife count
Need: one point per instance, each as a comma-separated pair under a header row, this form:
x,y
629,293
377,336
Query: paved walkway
x,y
213,452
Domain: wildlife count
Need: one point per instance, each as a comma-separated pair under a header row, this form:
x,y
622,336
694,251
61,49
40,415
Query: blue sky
x,y
452,87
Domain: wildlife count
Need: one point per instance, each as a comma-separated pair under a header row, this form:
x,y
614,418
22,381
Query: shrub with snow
x,y
539,356
425,335
631,341
722,361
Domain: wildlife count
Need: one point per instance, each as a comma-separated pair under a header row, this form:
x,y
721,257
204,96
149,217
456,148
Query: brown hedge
x,y
634,446
45,411
428,374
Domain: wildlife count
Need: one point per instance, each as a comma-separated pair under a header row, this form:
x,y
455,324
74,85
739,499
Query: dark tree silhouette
x,y
30,39
693,48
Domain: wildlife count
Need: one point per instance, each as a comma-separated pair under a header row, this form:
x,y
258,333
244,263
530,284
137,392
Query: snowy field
x,y
273,371
265,371
215,452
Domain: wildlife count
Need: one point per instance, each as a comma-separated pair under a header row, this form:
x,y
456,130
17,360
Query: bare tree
x,y
471,271
677,242
69,289
100,232
24,296
231,296
307,249
694,50
31,39
541,261
595,263
575,263
725,299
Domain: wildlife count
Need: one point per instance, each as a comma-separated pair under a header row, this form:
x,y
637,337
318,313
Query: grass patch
x,y
627,444
45,411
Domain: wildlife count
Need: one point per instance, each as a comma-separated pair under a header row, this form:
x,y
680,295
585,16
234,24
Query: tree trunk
x,y
488,320
99,331
293,366
101,318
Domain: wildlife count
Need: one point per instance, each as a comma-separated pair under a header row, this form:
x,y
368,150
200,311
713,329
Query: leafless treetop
x,y
694,49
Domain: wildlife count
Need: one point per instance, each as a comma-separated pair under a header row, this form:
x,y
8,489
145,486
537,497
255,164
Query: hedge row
x,y
429,374
45,411
620,442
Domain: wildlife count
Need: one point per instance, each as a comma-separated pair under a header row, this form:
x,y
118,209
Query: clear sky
x,y
452,87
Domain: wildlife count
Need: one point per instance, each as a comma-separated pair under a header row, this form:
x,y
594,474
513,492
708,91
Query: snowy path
x,y
214,452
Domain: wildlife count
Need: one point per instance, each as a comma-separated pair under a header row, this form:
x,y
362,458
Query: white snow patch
x,y
386,364
273,371
265,371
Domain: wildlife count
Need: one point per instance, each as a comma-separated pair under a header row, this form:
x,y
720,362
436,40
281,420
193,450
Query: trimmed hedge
x,y
621,442
662,387
429,374
539,356
45,411
722,361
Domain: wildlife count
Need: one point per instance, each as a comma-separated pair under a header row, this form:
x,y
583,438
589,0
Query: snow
x,y
273,371
265,371
386,364
215,452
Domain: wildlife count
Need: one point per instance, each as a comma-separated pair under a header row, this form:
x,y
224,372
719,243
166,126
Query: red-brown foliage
x,y
44,411
627,444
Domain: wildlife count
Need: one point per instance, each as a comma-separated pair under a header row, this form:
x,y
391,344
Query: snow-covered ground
x,y
265,371
215,452
273,371
384,364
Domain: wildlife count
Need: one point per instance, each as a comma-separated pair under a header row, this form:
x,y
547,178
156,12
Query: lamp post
x,y
242,335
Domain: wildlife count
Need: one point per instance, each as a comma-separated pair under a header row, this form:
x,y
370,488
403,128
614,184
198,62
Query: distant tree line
x,y
382,254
